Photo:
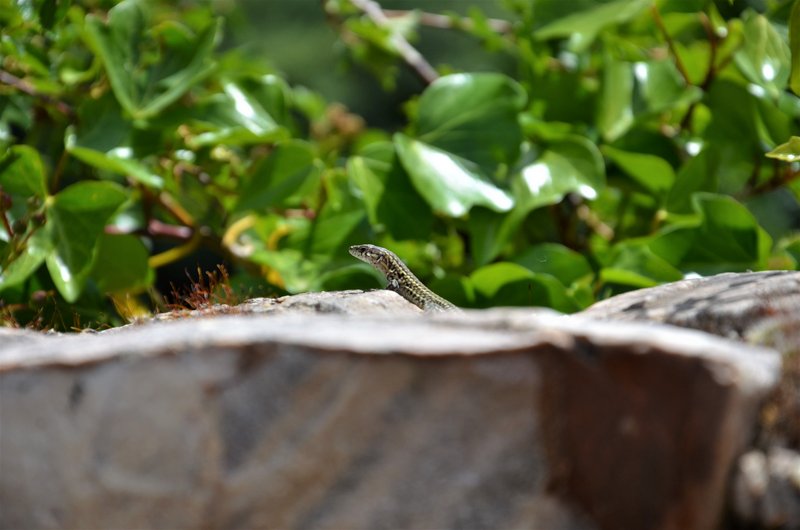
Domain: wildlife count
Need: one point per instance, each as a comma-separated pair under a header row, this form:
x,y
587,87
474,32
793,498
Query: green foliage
x,y
637,142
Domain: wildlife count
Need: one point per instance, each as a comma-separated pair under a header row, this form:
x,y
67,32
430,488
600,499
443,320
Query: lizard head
x,y
376,256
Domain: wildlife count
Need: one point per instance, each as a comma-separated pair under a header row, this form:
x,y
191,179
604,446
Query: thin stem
x,y
23,86
678,63
435,20
409,54
713,43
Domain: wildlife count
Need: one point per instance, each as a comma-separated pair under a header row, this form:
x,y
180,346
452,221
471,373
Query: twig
x,y
24,86
435,20
713,47
670,44
410,55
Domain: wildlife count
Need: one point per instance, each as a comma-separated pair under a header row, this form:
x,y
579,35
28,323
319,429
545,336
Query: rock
x,y
487,419
767,488
758,308
733,305
341,302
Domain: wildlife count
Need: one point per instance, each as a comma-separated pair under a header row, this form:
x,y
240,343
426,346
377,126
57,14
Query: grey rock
x,y
767,488
487,419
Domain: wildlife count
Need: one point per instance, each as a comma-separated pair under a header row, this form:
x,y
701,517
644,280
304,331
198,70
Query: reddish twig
x,y
24,86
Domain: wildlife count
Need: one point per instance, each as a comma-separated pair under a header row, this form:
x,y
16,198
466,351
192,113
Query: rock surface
x,y
487,419
759,308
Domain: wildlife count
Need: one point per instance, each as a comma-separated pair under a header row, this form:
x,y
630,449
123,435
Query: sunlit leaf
x,y
572,165
765,58
105,140
615,114
250,111
449,183
473,116
75,219
788,152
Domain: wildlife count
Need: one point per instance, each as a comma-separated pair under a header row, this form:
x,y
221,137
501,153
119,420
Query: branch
x,y
24,86
410,55
678,63
445,22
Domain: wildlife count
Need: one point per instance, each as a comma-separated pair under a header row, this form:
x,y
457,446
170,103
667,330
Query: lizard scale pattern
x,y
400,278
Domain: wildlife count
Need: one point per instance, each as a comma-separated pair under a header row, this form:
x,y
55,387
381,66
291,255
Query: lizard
x,y
400,278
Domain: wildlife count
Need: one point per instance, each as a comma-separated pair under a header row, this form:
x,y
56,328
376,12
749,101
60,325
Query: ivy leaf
x,y
651,173
121,264
105,140
22,174
583,26
571,165
389,196
788,152
76,217
144,88
509,284
794,47
449,183
288,175
765,58
16,269
473,116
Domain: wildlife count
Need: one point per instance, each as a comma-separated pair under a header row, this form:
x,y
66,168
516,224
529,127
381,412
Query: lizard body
x,y
400,278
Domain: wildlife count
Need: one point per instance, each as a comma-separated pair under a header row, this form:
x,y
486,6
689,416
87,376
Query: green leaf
x,y
633,263
121,264
765,58
473,116
682,6
615,114
794,47
509,284
788,152
449,183
724,237
635,90
662,87
556,260
288,269
571,165
248,112
15,269
652,173
22,173
76,217
144,88
728,238
288,177
335,226
389,196
105,141
583,26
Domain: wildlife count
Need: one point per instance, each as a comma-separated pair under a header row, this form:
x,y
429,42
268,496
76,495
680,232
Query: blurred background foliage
x,y
512,152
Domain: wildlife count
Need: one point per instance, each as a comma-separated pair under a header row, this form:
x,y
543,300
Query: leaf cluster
x,y
635,142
